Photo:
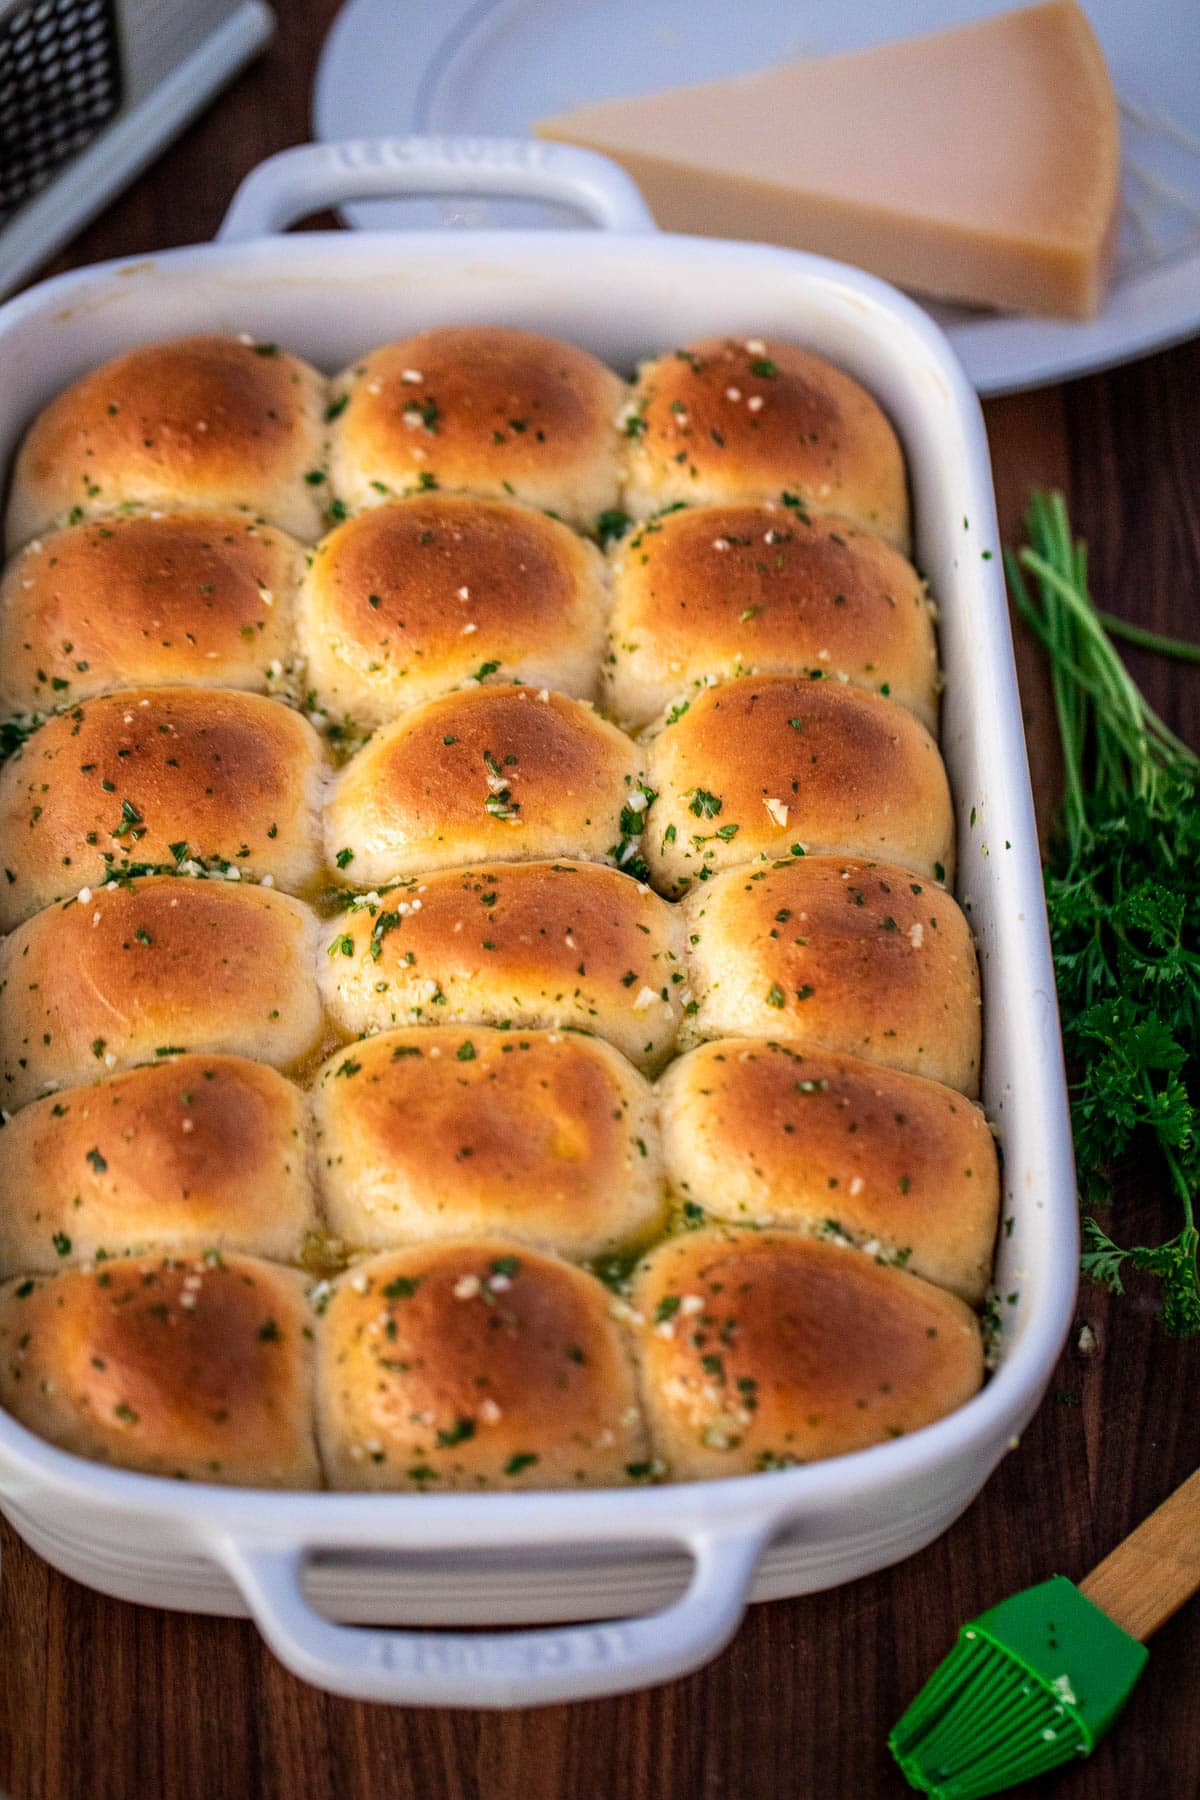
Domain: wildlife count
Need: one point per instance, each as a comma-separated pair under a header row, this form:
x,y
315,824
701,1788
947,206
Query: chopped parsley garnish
x,y
703,804
612,523
458,1433
130,819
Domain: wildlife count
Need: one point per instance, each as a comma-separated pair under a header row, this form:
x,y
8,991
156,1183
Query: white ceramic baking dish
x,y
662,1574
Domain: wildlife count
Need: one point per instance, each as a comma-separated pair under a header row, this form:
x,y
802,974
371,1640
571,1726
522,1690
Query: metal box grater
x,y
90,91
60,81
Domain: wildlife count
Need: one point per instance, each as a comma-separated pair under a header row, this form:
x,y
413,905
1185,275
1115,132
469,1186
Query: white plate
x,y
491,67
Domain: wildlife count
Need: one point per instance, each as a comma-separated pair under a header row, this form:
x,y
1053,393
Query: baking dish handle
x,y
296,182
505,1668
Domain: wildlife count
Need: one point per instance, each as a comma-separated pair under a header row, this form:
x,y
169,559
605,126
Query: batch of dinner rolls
x,y
482,1002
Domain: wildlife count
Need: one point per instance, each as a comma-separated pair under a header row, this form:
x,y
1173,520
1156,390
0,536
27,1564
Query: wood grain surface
x,y
105,1701
1153,1571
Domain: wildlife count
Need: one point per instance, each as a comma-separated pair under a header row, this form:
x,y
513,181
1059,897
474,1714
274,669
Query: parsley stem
x,y
1178,1177
1149,640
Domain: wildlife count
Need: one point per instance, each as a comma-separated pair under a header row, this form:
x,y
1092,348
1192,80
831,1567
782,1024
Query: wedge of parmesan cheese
x,y
979,164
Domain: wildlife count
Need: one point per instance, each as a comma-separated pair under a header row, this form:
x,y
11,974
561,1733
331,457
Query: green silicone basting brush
x,y
1038,1680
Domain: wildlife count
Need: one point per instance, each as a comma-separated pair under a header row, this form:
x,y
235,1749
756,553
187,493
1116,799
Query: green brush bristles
x,y
981,1724
1029,1685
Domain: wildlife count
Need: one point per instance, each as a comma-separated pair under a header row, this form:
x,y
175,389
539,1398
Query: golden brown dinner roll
x,y
198,1368
161,776
473,1365
201,598
196,1153
730,419
146,969
192,423
708,592
762,1134
504,774
482,409
443,1132
764,1349
831,953
775,765
411,600
562,945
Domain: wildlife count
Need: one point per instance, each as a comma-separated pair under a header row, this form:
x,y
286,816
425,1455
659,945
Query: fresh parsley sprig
x,y
1123,896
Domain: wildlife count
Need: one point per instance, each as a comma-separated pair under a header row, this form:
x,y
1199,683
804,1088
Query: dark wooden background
x,y
104,1701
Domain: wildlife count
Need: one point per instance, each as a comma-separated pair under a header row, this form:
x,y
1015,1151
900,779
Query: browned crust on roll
x,y
198,1153
483,409
760,1350
710,592
759,1133
202,598
159,965
474,1365
832,953
425,595
558,945
548,1137
773,765
753,419
196,1368
161,776
202,422
510,774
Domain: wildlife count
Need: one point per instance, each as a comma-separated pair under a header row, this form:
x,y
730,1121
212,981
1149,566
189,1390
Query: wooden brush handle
x,y
1157,1568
